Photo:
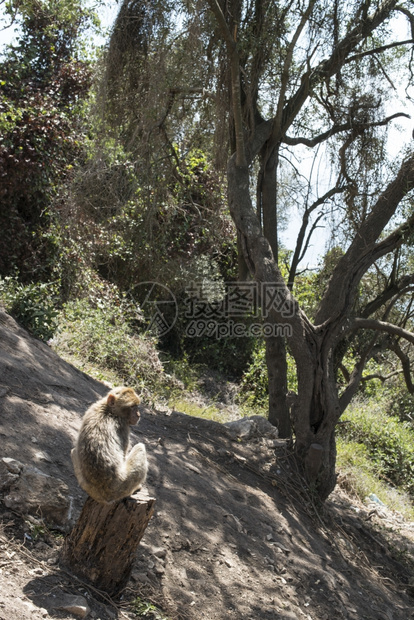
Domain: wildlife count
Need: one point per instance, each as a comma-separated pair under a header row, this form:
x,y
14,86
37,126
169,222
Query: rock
x,y
159,569
43,456
76,605
9,472
264,427
255,426
243,428
34,492
140,577
14,467
159,552
192,467
6,478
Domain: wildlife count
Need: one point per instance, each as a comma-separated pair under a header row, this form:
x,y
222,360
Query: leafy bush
x,y
361,476
33,305
102,336
388,441
255,385
45,79
401,402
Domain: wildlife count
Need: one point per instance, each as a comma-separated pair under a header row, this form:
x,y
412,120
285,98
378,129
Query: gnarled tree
x,y
292,77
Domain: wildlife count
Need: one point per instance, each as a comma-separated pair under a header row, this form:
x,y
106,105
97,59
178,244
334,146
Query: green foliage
x,y
208,412
186,372
255,385
400,401
44,81
360,475
146,609
150,220
33,305
101,336
229,355
388,441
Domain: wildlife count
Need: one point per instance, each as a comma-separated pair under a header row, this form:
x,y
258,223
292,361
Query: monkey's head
x,y
123,402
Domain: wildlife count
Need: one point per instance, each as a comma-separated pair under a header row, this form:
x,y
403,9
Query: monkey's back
x,y
102,442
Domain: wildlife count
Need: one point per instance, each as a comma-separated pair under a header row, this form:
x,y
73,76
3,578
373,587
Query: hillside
x,y
233,536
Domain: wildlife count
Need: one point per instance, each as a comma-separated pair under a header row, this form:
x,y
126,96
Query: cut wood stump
x,y
101,547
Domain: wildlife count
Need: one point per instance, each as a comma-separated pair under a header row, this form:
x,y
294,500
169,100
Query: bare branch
x,y
299,253
378,327
335,129
222,24
382,326
345,372
286,69
377,50
405,363
395,288
308,238
410,17
364,250
385,74
356,375
382,378
329,67
394,240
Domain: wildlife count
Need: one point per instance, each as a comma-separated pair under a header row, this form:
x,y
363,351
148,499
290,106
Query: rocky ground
x,y
234,534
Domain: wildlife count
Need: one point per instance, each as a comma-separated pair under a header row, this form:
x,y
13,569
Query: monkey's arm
x,y
77,468
136,468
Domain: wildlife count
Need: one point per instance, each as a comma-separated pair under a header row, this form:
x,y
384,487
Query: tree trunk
x,y
318,465
316,408
101,547
277,379
275,345
243,272
316,412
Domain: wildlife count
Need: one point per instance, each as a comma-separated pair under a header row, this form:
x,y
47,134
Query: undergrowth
x,y
389,442
376,455
33,305
209,412
360,476
102,337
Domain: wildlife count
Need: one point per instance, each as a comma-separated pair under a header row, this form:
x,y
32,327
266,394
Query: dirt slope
x,y
232,537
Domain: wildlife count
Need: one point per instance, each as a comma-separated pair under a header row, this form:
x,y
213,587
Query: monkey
x,y
103,464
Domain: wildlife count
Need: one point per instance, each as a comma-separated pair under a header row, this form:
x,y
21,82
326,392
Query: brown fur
x,y
103,464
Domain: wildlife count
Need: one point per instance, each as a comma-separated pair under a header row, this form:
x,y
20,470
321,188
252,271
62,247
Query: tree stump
x,y
101,547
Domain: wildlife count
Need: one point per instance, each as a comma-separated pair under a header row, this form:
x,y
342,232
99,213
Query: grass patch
x,y
388,441
101,338
361,476
208,412
375,454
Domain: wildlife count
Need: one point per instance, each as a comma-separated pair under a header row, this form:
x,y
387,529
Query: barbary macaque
x,y
104,466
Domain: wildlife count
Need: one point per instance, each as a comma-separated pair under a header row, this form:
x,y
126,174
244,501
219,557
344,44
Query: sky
x,y
397,139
